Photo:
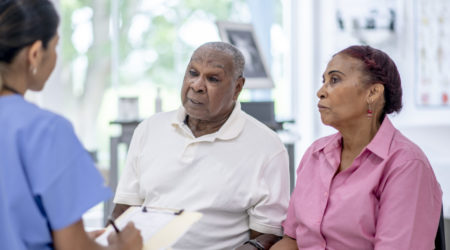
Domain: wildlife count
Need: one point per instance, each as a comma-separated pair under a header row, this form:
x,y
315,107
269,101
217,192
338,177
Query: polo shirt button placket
x,y
189,152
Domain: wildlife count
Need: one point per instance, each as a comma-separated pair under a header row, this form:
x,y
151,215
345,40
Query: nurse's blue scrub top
x,y
47,179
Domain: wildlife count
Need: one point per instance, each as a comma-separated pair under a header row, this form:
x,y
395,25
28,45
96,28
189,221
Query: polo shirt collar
x,y
379,145
229,130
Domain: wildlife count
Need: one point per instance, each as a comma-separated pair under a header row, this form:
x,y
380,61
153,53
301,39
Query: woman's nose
x,y
321,93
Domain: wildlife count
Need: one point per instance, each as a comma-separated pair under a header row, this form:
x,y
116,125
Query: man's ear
x,y
34,55
239,86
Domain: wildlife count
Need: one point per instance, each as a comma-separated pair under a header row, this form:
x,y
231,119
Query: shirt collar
x,y
379,145
229,130
333,142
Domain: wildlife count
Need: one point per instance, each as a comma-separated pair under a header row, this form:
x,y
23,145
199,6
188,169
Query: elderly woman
x,y
367,186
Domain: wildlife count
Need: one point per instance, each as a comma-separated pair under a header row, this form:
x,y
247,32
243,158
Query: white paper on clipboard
x,y
160,228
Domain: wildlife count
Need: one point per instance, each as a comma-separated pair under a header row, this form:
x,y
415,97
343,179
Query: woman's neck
x,y
15,75
355,138
7,90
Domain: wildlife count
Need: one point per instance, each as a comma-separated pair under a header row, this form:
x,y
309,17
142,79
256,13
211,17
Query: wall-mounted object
x,y
370,22
432,53
242,36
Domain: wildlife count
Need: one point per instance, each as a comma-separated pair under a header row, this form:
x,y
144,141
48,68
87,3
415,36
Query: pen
x,y
110,220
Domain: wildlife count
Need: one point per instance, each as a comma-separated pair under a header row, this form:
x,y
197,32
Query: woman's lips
x,y
321,107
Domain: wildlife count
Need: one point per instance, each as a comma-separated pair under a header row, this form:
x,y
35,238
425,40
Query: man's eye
x,y
193,73
213,79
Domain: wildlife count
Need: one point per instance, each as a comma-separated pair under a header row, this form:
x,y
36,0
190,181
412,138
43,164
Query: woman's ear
x,y
375,99
376,91
34,55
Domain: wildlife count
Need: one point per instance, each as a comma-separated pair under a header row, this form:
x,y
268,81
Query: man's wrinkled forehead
x,y
211,57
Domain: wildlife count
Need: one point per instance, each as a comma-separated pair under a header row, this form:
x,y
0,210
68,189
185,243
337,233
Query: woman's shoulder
x,y
402,149
30,117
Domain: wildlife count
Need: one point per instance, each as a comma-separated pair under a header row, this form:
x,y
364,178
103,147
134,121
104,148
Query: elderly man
x,y
211,157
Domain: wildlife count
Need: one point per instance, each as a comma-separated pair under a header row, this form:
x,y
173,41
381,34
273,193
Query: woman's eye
x,y
334,79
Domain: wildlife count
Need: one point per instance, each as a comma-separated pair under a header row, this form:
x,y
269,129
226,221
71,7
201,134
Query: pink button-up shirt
x,y
387,199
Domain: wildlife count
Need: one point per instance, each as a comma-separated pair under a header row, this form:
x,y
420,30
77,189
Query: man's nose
x,y
198,85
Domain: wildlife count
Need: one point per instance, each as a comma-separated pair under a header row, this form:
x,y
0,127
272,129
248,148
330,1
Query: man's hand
x,y
267,240
246,247
287,243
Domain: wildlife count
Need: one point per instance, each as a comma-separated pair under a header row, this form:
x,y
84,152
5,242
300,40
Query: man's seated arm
x,y
287,243
274,197
266,240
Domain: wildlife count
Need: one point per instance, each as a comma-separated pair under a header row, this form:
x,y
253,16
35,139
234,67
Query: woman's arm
x,y
409,208
74,237
287,243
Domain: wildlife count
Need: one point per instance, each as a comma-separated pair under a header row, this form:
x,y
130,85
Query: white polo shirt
x,y
238,177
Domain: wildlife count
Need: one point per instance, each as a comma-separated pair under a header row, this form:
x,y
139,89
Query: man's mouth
x,y
194,101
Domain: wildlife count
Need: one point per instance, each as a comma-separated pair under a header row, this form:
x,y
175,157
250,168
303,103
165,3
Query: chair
x,y
439,242
263,112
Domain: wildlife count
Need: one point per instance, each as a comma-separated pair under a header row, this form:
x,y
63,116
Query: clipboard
x,y
160,227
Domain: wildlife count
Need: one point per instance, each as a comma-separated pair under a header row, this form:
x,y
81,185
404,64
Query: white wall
x,y
427,127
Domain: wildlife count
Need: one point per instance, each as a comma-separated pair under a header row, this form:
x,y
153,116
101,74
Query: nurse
x,y
47,179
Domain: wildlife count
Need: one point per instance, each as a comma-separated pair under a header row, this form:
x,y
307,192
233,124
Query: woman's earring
x,y
33,71
369,111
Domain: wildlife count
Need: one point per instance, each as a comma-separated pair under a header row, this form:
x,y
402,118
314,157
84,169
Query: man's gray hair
x,y
238,57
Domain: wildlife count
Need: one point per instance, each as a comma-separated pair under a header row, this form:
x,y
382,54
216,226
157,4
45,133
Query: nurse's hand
x,y
73,237
129,238
94,234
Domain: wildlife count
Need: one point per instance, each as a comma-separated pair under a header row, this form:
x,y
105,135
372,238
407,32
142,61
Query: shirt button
x,y
325,194
324,245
